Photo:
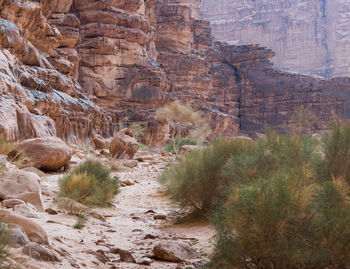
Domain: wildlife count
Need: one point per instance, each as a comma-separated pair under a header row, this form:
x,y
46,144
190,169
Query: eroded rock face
x,y
75,68
308,36
32,229
39,93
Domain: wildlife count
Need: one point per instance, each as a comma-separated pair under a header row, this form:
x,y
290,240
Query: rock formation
x,y
74,69
311,37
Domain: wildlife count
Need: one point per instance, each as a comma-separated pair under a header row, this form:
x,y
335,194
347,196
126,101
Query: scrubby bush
x,y
184,123
280,223
336,148
175,145
282,201
195,182
90,184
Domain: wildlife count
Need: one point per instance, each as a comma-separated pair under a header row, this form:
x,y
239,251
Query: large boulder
x,y
124,144
21,185
174,251
32,229
46,153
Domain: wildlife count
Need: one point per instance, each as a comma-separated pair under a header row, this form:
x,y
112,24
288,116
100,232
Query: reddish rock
x,y
124,144
47,153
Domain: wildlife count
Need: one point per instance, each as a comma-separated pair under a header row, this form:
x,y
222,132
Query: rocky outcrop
x,y
39,93
76,68
310,37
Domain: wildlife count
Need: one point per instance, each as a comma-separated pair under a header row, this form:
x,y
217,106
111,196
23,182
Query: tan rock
x,y
130,163
47,153
32,229
21,185
17,236
124,144
174,251
99,142
39,252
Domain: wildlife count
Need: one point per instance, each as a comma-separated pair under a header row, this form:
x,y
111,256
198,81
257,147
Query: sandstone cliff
x,y
75,68
310,37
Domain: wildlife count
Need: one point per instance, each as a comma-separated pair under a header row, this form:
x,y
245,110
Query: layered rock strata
x,y
74,69
39,93
310,37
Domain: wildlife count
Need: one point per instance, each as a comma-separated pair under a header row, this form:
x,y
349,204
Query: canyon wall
x,y
75,68
311,37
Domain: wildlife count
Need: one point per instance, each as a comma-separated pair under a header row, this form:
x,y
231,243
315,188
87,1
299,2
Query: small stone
x,y
145,261
165,153
130,163
51,211
150,236
125,256
160,217
128,182
174,251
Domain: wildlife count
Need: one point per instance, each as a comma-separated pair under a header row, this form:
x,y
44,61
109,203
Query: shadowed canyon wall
x,y
310,37
75,68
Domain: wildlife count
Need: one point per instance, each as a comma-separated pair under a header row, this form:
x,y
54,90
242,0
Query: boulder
x,y
32,229
124,144
21,185
40,253
46,153
26,210
17,236
99,142
174,251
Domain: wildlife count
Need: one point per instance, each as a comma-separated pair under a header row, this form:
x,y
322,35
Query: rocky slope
x,y
311,37
76,68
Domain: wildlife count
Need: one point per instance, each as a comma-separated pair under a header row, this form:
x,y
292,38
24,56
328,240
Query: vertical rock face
x,y
39,94
310,37
130,57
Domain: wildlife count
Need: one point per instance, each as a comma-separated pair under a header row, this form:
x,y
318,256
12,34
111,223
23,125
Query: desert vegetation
x,y
90,184
187,126
282,201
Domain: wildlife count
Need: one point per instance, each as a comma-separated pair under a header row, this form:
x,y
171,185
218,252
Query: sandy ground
x,y
128,223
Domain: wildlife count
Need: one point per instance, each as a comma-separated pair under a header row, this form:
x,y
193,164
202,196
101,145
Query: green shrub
x,y
195,182
276,223
336,148
90,184
175,146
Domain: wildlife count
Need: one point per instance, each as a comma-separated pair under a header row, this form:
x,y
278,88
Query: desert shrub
x,y
80,224
336,148
284,223
138,130
184,123
90,184
175,145
195,182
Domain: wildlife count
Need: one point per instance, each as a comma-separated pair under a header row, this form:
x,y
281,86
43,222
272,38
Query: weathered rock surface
x,y
310,37
174,251
20,185
39,252
17,236
124,144
32,229
46,153
74,69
